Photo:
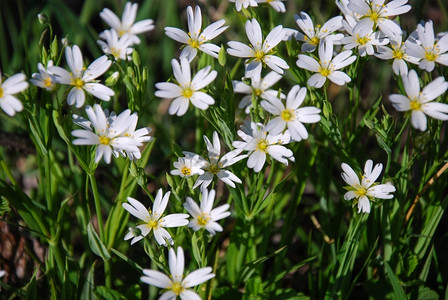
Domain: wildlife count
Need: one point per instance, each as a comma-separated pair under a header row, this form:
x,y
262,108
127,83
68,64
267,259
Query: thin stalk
x,y
96,199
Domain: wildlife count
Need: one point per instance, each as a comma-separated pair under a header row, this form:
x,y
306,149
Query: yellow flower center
x,y
324,71
259,55
1,92
262,145
186,171
288,115
187,92
430,55
177,288
415,105
152,223
193,43
104,140
398,53
78,82
47,82
115,52
203,219
374,16
314,40
360,191
213,168
362,40
121,32
258,92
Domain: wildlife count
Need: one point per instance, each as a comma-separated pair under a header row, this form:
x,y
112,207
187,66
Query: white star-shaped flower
x,y
215,164
259,143
83,79
188,166
204,216
327,66
427,48
399,53
374,13
112,134
259,87
45,78
127,24
367,189
362,40
15,84
154,220
290,116
118,47
186,90
314,34
421,103
259,51
197,39
176,284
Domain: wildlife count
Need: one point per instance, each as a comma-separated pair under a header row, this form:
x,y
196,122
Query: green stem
x,y
8,171
96,199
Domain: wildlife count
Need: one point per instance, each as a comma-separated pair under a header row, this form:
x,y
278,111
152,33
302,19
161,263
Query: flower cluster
x,y
118,40
275,115
111,134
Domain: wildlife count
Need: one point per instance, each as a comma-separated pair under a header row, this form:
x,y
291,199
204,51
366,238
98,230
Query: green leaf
x,y
88,288
195,249
248,269
96,245
106,293
127,259
31,288
393,280
222,56
425,293
28,210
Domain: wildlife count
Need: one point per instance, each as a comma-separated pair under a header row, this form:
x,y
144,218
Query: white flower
x,y
196,39
275,4
15,84
83,80
186,90
260,143
327,66
374,13
346,11
314,34
109,135
243,3
363,40
204,216
428,49
188,166
45,78
176,284
291,116
140,136
118,47
259,52
2,273
367,189
215,164
259,87
420,103
152,219
399,54
127,23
